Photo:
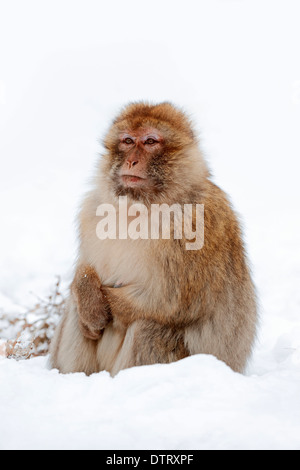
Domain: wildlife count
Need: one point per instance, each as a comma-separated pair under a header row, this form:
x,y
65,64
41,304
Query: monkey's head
x,y
152,154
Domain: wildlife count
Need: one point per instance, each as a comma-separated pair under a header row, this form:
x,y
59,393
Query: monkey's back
x,y
228,316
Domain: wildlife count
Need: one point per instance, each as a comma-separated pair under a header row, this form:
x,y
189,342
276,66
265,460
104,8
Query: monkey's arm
x,y
125,306
92,305
129,304
98,305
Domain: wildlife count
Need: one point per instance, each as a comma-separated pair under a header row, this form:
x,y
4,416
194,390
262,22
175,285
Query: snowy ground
x,y
66,67
198,403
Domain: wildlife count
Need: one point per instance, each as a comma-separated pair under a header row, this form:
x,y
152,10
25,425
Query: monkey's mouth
x,y
130,181
139,188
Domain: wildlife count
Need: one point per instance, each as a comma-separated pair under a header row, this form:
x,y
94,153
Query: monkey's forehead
x,y
141,131
165,117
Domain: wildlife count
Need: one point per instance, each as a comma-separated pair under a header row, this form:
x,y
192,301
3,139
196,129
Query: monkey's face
x,y
140,166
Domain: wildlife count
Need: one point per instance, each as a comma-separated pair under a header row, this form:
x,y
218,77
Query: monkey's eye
x,y
150,141
128,141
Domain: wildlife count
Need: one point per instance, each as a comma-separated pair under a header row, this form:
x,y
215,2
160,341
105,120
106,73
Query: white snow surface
x,y
198,403
66,68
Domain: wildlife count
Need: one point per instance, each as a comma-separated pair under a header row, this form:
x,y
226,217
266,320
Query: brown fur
x,y
93,309
172,303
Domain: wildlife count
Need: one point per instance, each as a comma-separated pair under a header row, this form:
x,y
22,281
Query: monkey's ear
x,y
183,121
111,139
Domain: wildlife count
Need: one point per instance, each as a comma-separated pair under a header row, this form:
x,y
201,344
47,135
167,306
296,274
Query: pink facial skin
x,y
139,146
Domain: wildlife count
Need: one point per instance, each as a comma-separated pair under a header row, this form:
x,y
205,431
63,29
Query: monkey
x,y
137,302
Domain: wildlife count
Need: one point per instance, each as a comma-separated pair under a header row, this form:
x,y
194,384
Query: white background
x,y
66,68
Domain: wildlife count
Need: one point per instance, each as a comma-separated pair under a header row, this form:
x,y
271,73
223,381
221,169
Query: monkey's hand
x,y
92,304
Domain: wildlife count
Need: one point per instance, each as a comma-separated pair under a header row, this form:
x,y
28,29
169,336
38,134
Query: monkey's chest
x,y
122,262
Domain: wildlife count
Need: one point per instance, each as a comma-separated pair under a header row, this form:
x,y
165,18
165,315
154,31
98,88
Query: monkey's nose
x,y
131,163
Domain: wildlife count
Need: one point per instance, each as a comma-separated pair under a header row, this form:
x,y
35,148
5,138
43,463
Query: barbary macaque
x,y
145,300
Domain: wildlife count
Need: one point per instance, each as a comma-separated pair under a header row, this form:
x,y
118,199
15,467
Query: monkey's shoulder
x,y
220,217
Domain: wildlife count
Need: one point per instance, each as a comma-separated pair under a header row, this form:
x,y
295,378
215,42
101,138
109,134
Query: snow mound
x,y
197,403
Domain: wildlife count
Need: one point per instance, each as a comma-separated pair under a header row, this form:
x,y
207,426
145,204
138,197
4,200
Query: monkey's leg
x,y
224,334
230,342
154,343
147,342
93,308
70,351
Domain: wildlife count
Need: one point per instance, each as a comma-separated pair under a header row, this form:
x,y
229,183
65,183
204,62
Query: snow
x,y
198,403
66,67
